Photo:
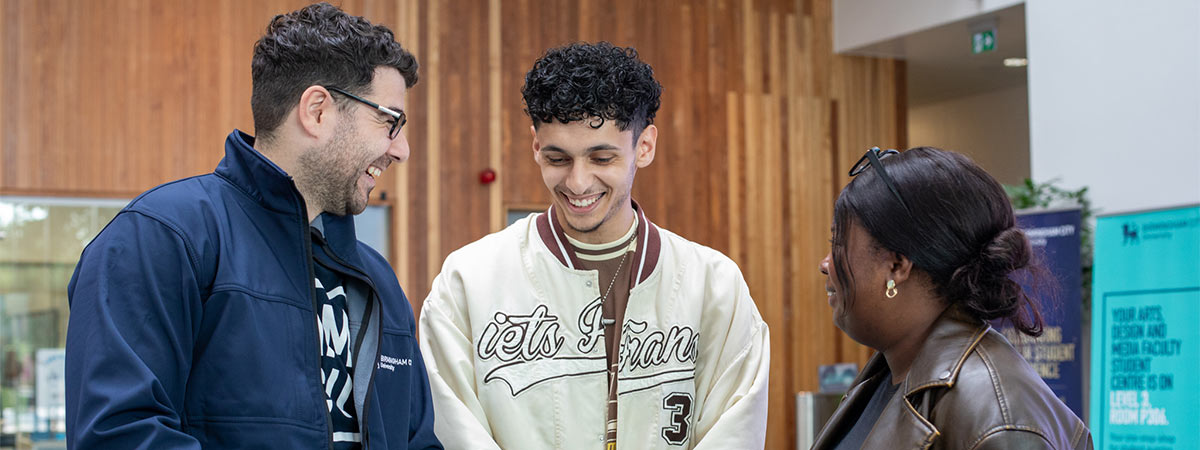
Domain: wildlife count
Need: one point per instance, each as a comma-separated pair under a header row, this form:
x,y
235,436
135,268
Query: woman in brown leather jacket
x,y
924,242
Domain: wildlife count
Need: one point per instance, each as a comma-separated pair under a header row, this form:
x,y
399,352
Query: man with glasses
x,y
237,309
588,326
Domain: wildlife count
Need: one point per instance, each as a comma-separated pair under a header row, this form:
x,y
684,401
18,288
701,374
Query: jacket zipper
x,y
306,232
371,381
373,295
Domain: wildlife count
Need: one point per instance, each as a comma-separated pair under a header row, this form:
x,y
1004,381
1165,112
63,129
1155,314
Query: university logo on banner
x,y
1145,387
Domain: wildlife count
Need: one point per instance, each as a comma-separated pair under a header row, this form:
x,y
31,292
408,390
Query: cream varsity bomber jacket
x,y
513,343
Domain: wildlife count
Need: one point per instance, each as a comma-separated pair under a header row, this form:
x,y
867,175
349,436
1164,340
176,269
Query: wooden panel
x,y
759,124
431,53
405,211
8,76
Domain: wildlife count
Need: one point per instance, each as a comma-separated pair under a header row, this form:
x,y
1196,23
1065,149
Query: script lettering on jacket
x,y
642,350
527,348
590,326
529,337
651,358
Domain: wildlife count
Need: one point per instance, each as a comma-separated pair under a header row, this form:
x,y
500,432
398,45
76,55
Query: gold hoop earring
x,y
891,289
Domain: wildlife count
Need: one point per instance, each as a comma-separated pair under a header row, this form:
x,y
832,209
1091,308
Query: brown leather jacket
x,y
967,389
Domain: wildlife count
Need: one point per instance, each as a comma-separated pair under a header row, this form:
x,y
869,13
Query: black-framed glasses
x,y
872,158
398,117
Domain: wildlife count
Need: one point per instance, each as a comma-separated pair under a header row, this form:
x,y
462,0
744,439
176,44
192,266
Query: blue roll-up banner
x,y
1057,353
1145,389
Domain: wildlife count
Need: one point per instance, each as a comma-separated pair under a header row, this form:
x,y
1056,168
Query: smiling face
x,y
589,172
338,176
860,308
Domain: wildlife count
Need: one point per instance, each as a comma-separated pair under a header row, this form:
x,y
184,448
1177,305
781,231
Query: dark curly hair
x,y
319,45
584,81
961,231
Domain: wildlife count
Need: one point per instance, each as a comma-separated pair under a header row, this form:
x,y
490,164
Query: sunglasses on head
x,y
873,158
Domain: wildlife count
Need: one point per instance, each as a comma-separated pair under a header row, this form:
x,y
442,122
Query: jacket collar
x,y
257,176
260,179
649,244
938,364
340,236
941,358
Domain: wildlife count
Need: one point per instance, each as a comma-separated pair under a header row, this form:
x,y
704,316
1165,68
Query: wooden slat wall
x,y
759,123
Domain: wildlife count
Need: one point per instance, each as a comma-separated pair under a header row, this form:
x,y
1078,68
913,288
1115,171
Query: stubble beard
x,y
331,175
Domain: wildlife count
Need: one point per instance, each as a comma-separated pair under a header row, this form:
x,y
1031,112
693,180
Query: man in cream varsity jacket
x,y
587,326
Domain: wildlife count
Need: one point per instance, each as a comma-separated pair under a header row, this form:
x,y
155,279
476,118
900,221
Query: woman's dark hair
x,y
960,229
319,45
582,81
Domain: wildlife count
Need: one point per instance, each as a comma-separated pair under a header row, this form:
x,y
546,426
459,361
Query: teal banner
x,y
1145,377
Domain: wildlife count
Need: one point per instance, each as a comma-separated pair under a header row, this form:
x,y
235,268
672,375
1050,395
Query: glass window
x,y
41,240
515,214
374,228
40,243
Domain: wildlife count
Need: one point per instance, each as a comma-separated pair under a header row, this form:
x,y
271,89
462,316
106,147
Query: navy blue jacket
x,y
192,323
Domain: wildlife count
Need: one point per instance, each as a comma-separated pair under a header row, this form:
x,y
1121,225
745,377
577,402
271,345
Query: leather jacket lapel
x,y
900,426
942,355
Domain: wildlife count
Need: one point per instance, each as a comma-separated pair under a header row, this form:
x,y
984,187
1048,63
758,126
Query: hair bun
x,y
983,283
1009,251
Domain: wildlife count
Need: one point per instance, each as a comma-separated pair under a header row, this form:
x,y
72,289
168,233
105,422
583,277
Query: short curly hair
x,y
319,45
583,81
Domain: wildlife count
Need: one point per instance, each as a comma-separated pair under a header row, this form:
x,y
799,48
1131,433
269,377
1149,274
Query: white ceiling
x,y
941,66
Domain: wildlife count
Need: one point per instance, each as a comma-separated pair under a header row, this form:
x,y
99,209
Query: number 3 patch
x,y
680,405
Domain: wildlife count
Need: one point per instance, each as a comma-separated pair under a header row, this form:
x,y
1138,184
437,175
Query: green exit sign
x,y
983,41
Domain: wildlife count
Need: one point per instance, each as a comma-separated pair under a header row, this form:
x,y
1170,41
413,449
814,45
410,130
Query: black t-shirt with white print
x,y
337,370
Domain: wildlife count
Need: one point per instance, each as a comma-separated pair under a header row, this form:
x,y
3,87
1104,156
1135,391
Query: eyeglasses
x,y
872,158
398,118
